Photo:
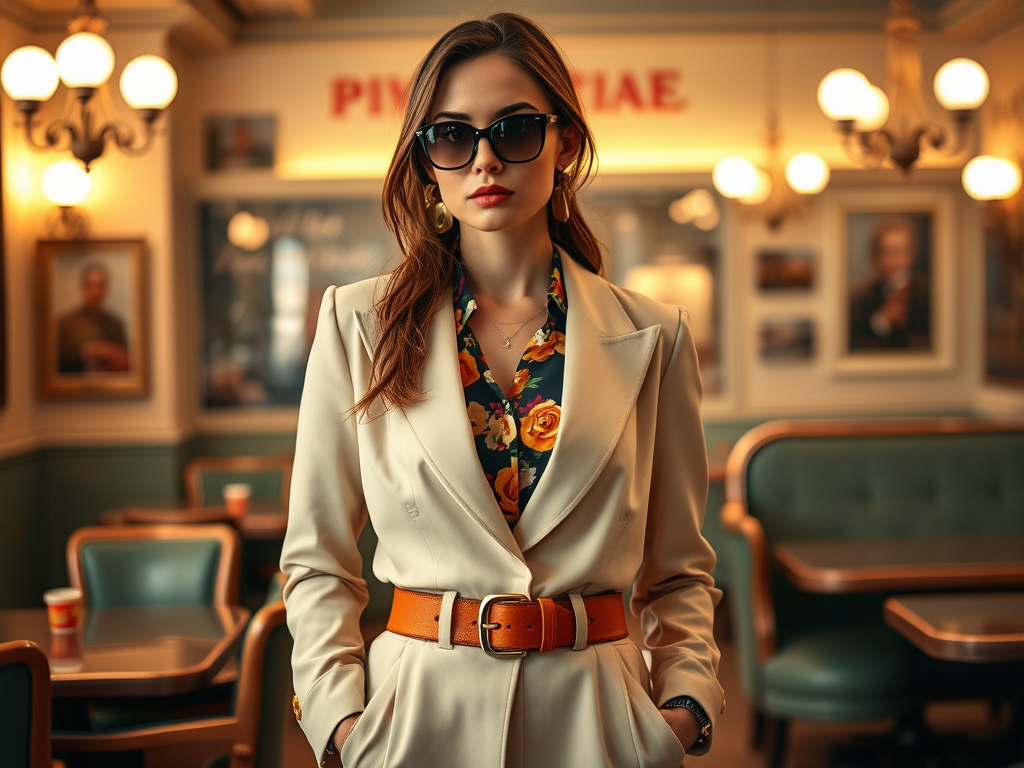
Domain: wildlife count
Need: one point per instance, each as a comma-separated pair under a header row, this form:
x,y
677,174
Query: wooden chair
x,y
155,565
206,476
188,516
255,728
24,705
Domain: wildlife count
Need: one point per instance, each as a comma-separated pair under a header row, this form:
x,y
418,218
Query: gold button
x,y
296,708
723,704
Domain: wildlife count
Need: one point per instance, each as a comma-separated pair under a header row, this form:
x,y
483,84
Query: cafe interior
x,y
832,191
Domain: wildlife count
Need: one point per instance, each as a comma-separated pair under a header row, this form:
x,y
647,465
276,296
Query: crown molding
x,y
977,21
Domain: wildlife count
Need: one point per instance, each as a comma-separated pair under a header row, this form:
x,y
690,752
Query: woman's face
x,y
478,92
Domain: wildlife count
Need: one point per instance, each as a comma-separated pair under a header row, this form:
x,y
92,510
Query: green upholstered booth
x,y
268,476
830,656
155,565
254,726
24,706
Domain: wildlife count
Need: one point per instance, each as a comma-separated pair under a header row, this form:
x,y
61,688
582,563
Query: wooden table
x,y
963,626
133,651
902,564
265,519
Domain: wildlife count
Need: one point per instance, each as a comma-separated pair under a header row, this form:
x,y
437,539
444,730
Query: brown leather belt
x,y
509,625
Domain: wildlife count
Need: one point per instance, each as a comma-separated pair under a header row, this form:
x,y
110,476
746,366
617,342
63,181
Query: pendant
x,y
508,343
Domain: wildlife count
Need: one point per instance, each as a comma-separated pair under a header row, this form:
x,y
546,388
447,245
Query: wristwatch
x,y
703,742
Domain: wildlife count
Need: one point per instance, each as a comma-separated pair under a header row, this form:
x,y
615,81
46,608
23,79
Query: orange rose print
x,y
520,381
477,418
506,484
501,431
539,352
467,367
539,428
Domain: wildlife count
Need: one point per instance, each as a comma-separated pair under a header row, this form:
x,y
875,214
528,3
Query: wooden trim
x,y
240,729
195,468
202,516
736,520
33,657
952,646
226,586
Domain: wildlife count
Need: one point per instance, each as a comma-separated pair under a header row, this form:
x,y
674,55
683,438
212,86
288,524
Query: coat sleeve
x,y
674,595
325,593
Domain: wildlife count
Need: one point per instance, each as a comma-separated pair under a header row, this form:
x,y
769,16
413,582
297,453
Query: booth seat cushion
x,y
150,573
842,674
15,714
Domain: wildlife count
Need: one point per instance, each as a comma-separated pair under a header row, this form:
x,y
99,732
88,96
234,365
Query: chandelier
x,y
775,191
893,124
84,62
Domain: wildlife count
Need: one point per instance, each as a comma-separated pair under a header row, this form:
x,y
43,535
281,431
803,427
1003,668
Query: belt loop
x,y
579,611
444,620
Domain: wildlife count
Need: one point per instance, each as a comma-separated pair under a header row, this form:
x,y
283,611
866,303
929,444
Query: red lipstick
x,y
491,195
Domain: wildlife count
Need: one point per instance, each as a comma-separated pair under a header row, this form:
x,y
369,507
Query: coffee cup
x,y
62,609
236,498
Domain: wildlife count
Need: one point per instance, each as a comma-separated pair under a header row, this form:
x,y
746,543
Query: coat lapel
x,y
606,360
443,429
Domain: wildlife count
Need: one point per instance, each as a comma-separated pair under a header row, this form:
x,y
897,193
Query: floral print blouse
x,y
514,434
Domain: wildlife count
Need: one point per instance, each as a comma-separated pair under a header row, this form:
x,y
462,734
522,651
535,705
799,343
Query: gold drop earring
x,y
438,215
561,198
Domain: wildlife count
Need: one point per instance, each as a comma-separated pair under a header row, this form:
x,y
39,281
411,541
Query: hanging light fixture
x,y
66,185
893,124
773,191
84,62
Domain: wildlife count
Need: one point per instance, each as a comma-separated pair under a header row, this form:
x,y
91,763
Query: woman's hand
x,y
683,724
343,730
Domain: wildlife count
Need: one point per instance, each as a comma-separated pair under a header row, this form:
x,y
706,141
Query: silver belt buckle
x,y
484,625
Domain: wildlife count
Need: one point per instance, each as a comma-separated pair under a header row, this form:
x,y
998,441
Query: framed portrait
x,y
92,335
1004,293
892,281
786,340
240,142
785,269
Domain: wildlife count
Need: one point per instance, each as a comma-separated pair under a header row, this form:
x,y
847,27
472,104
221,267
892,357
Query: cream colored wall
x,y
130,198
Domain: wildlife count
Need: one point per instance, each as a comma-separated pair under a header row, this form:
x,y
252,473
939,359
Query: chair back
x,y
269,476
264,694
150,565
24,706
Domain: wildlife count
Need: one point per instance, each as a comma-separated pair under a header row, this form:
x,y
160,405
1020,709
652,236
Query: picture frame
x,y
92,324
1004,292
786,340
785,270
890,270
240,142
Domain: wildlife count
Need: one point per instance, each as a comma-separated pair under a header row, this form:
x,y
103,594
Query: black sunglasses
x,y
515,139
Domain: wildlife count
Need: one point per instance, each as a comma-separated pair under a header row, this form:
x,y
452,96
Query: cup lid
x,y
62,595
237,489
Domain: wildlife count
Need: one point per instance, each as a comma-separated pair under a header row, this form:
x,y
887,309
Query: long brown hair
x,y
418,287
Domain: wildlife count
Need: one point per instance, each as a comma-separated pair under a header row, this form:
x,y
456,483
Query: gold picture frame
x,y
92,321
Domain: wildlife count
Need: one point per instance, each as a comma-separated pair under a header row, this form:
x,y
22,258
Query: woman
x,y
513,425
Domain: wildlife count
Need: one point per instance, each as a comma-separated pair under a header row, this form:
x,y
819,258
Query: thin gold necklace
x,y
508,339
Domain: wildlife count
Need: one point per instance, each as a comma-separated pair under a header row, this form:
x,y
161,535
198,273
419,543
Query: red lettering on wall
x,y
663,90
346,91
628,92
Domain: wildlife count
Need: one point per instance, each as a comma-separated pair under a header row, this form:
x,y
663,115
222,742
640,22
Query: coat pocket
x,y
367,743
655,741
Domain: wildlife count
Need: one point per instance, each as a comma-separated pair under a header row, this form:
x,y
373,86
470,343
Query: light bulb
x,y
66,183
29,74
85,60
248,232
961,84
874,110
842,94
762,189
807,173
991,178
735,177
148,82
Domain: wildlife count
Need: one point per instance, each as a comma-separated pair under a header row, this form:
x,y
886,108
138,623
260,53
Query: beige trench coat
x,y
623,496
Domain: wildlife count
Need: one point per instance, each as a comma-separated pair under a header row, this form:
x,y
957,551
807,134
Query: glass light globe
x,y
148,82
248,232
762,189
85,60
874,111
29,74
807,173
66,183
734,177
961,84
991,178
842,94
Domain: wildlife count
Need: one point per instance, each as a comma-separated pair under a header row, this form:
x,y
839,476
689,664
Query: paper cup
x,y
62,608
65,653
236,498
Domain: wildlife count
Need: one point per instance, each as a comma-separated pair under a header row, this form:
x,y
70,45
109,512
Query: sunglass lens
x,y
518,138
449,145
